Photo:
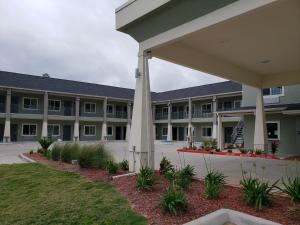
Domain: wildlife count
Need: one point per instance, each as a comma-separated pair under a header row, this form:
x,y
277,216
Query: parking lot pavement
x,y
270,170
9,153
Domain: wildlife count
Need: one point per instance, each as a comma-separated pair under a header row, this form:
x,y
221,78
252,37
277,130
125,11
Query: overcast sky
x,y
75,39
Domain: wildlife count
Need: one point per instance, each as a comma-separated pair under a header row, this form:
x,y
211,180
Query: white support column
x,y
128,126
260,130
76,124
6,136
170,135
190,126
45,118
220,132
141,144
104,125
215,125
153,116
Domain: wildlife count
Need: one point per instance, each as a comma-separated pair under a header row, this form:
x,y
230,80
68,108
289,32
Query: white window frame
x,y
37,103
234,103
54,135
89,135
278,127
206,127
205,104
29,124
277,95
112,131
90,103
112,109
55,100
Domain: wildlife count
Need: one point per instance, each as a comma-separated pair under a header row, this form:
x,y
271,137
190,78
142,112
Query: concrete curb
x,y
22,156
123,175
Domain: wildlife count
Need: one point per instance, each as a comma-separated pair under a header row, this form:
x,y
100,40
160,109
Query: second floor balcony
x,y
202,114
161,116
118,115
180,115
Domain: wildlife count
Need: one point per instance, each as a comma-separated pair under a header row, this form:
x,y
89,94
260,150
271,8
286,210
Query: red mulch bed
x,y
147,203
228,154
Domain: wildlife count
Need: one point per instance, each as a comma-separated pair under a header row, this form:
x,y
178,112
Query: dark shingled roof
x,y
208,89
25,81
60,85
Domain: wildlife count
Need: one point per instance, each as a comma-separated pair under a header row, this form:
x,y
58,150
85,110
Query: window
x,y
54,105
227,105
89,107
89,130
53,130
30,103
109,131
206,108
29,129
273,130
237,104
165,110
274,91
109,109
164,131
206,131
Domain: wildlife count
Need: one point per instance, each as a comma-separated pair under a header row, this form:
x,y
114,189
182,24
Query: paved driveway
x,y
231,166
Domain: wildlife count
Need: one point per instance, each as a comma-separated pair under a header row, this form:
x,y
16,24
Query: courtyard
x,y
231,166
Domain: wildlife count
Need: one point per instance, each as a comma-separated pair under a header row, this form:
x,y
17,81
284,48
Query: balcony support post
x,y
104,124
6,136
190,126
45,117
220,132
141,143
128,126
260,129
76,124
169,136
215,124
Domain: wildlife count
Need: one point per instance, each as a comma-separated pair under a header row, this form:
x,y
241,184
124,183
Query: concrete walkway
x,y
271,170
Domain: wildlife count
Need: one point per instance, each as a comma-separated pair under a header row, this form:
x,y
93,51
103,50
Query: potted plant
x,y
274,147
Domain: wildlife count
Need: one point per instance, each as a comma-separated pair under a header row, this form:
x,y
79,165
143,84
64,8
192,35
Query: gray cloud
x,y
76,39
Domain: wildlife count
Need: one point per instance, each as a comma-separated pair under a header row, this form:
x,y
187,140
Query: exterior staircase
x,y
237,136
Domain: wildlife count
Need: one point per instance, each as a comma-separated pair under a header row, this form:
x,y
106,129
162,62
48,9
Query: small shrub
x,y
243,151
145,179
55,152
93,156
124,165
194,147
174,201
165,166
69,152
251,151
230,146
274,147
112,167
291,187
258,152
229,150
257,193
40,151
214,184
181,178
45,143
31,152
218,150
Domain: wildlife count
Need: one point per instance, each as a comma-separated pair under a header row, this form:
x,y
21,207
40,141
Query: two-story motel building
x,y
32,107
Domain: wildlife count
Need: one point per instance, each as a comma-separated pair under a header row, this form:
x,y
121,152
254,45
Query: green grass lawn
x,y
34,194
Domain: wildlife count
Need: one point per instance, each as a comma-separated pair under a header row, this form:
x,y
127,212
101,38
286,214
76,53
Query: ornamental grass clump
x,y
257,193
112,167
145,179
181,178
214,184
291,187
124,165
55,152
93,156
165,166
70,152
174,201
